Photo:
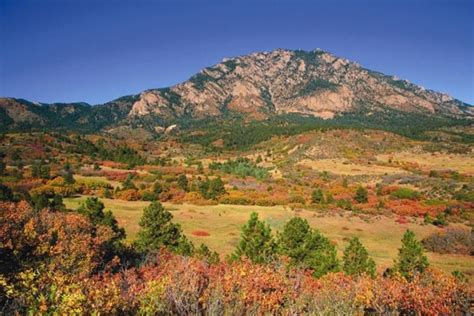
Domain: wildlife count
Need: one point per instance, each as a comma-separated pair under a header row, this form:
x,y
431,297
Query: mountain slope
x,y
258,86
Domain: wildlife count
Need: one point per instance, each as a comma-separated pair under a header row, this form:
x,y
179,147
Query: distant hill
x,y
259,87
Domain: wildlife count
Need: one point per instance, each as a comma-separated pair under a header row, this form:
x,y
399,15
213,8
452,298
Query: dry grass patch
x,y
433,161
345,167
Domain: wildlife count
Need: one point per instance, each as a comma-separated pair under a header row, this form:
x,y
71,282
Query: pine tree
x,y
6,193
321,254
216,188
157,230
356,259
317,196
257,243
183,182
292,239
411,257
204,253
93,208
68,175
307,248
57,203
361,195
128,183
2,163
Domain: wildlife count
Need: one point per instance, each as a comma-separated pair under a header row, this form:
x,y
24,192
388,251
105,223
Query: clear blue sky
x,y
95,51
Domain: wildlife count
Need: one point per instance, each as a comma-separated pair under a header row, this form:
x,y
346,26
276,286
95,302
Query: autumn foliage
x,y
54,262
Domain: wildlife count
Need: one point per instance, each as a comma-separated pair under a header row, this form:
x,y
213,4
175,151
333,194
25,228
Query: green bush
x,y
405,194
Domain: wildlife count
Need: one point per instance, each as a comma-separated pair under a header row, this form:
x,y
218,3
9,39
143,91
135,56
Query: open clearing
x,y
344,167
381,235
434,161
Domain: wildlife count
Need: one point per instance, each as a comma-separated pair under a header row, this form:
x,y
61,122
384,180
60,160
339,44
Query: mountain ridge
x,y
257,86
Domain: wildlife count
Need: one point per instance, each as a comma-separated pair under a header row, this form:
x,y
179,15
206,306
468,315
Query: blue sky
x,y
98,50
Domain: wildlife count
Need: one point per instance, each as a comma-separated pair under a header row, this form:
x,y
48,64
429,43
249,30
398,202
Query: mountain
x,y
257,87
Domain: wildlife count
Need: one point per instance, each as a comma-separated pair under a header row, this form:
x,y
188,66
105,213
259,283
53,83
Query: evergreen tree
x,y
157,230
93,208
68,177
157,187
361,195
200,168
204,253
40,170
321,254
2,164
317,196
183,182
256,243
292,239
128,183
345,183
57,203
411,257
39,201
307,248
107,193
6,193
356,259
216,188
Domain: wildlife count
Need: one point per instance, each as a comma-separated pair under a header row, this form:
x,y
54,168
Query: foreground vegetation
x,y
74,262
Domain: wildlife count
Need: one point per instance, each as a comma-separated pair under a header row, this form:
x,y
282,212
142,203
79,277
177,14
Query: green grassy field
x,y
381,235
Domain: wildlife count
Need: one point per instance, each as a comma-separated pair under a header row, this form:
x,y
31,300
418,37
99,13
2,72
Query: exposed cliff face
x,y
283,81
257,85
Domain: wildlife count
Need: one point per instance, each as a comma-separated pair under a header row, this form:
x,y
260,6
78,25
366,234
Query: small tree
x,y
200,168
157,230
40,170
68,175
322,254
183,182
345,182
39,201
157,187
317,196
57,203
6,193
128,183
307,248
292,239
93,208
356,259
204,253
411,257
256,243
2,163
361,195
216,188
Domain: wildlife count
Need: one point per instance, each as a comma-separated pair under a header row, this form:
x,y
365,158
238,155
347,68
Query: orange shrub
x,y
128,195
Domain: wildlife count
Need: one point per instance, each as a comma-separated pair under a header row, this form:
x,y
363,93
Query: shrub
x,y
149,196
128,195
242,167
361,195
317,196
405,193
452,240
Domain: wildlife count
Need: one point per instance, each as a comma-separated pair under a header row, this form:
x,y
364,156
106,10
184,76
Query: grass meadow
x,y
381,235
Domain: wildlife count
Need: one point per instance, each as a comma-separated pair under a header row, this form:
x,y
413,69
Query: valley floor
x,y
218,226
